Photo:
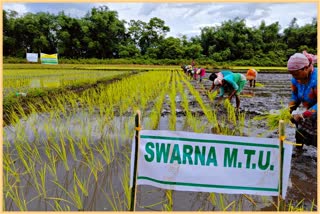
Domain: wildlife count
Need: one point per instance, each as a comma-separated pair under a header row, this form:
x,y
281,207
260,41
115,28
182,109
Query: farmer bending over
x,y
201,72
220,76
251,77
184,68
236,81
190,71
187,69
304,91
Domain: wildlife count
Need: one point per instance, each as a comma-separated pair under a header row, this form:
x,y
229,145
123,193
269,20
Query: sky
x,y
186,18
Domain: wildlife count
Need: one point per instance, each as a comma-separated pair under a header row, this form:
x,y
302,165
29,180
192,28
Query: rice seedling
x,y
42,175
125,178
58,207
172,96
106,150
74,196
273,119
208,113
82,184
19,201
230,111
212,95
22,157
233,203
61,152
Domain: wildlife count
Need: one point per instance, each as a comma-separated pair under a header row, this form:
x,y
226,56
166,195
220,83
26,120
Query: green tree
x,y
148,35
10,43
69,36
103,32
129,50
170,48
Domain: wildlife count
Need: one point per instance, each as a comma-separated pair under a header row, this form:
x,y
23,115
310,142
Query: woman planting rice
x,y
236,81
219,75
251,77
304,90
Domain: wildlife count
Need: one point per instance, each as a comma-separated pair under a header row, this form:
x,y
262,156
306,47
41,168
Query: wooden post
x,y
281,138
137,142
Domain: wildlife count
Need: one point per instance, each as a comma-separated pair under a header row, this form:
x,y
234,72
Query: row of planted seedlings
x,y
70,152
201,124
168,204
152,198
167,200
230,123
225,120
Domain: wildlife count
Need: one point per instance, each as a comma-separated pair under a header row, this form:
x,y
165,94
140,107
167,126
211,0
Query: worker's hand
x,y
296,118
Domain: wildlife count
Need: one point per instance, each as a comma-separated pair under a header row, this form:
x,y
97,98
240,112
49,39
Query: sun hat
x,y
297,61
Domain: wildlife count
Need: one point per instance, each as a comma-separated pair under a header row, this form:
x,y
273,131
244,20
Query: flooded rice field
x,y
77,157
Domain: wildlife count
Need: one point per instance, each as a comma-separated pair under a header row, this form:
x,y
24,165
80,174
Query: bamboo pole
x,y
281,138
137,142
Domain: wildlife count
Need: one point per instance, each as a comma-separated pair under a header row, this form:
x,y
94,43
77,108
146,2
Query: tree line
x,y
101,35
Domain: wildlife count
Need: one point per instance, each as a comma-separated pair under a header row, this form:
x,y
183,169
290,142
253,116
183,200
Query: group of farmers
x,y
225,80
193,72
303,87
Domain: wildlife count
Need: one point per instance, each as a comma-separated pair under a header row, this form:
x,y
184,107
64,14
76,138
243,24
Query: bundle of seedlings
x,y
274,117
259,85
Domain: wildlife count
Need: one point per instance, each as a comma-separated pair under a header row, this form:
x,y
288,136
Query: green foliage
x,y
100,35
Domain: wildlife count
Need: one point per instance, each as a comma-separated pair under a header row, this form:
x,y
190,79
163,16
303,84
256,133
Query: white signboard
x,y
32,57
190,161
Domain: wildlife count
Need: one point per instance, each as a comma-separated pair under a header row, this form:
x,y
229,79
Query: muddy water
x,y
256,101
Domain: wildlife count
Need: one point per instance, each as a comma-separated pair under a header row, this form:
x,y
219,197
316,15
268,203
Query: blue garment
x,y
236,80
226,72
305,94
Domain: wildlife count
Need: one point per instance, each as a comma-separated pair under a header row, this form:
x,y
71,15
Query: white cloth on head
x,y
218,81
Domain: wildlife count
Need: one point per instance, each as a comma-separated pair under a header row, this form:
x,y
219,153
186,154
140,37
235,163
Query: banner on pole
x,y
190,161
51,59
32,57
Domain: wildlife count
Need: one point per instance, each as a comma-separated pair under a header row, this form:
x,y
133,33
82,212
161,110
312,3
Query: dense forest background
x,y
101,35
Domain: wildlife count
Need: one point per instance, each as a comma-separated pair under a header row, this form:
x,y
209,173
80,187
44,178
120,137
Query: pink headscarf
x,y
312,58
297,61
